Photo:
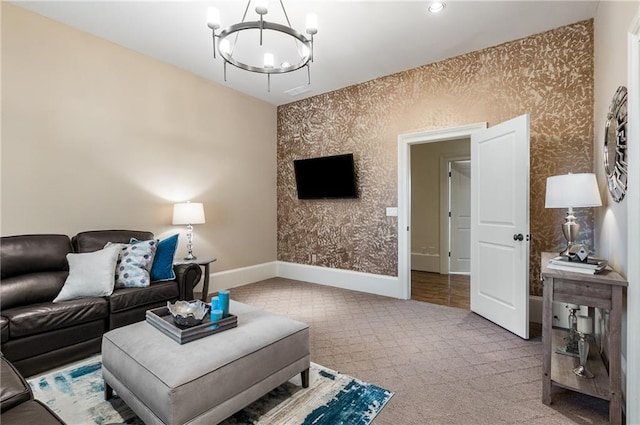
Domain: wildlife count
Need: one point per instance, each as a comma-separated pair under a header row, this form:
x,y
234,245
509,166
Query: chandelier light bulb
x,y
285,64
225,46
213,18
312,23
268,60
262,7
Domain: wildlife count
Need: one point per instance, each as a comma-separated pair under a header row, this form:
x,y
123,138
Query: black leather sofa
x,y
37,334
16,400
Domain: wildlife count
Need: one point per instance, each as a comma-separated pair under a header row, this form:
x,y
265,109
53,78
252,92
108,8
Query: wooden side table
x,y
603,290
204,262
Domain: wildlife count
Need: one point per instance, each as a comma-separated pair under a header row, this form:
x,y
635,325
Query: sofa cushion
x,y
127,298
31,289
134,263
34,268
31,412
39,318
33,253
91,274
14,389
96,239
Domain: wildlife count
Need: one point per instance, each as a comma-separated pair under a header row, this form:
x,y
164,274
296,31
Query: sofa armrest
x,y
14,389
187,276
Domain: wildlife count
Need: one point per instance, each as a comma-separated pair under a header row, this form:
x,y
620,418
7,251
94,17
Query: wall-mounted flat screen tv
x,y
327,177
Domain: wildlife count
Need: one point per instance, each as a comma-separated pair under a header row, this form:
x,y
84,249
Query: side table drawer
x,y
583,293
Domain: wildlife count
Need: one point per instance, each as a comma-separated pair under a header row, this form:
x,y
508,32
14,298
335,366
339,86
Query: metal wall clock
x,y
615,145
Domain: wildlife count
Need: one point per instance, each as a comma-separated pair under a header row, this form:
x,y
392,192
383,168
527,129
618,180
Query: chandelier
x,y
232,42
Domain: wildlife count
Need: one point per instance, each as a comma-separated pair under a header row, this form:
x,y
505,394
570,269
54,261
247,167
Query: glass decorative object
x,y
573,337
584,328
187,313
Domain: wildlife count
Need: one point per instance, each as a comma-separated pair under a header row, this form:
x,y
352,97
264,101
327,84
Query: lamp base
x,y
575,252
568,251
190,256
582,372
570,230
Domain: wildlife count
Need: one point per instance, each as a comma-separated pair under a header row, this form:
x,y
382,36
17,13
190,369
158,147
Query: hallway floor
x,y
451,290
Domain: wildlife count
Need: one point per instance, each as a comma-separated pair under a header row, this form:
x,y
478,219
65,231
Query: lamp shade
x,y
572,190
188,213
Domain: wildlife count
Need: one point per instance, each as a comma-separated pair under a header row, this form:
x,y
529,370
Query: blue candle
x,y
215,303
216,315
223,297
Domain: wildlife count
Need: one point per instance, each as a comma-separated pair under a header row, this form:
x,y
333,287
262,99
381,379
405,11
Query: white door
x,y
460,217
500,224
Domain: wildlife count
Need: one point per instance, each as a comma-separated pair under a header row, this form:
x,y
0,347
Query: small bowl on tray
x,y
188,313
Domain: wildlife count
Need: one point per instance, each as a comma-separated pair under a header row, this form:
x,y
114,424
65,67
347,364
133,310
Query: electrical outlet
x,y
313,258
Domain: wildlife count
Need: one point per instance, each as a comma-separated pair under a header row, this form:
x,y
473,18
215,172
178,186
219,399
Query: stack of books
x,y
593,265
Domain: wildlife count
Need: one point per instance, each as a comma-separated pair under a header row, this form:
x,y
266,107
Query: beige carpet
x,y
446,365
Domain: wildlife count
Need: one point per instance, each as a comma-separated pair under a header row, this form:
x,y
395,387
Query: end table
x,y
605,291
202,262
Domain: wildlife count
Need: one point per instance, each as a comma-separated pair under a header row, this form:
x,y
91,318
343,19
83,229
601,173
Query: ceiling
x,y
357,41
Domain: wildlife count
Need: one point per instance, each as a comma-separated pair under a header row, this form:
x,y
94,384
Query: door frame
x,y
405,141
445,207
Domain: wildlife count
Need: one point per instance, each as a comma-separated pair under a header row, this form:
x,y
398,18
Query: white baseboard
x,y
238,277
425,262
388,286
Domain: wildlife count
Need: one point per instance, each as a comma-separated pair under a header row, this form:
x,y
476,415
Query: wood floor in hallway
x,y
442,289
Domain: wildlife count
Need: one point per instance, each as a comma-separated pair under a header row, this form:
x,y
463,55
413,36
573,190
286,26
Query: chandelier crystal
x,y
225,42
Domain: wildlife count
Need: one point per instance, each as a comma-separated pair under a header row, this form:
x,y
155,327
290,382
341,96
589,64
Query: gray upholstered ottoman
x,y
206,380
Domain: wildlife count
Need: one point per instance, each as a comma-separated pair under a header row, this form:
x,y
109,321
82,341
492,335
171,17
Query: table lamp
x,y
572,191
188,213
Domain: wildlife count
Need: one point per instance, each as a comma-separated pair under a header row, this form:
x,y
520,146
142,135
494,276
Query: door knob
x,y
518,237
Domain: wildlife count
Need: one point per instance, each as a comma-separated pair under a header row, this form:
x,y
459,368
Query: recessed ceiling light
x,y
436,7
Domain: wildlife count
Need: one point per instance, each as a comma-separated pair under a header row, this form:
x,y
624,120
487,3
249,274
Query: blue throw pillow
x,y
162,268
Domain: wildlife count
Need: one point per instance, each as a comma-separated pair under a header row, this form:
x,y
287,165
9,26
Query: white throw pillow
x,y
91,274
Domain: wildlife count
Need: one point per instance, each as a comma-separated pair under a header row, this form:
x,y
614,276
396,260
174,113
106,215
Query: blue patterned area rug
x,y
76,393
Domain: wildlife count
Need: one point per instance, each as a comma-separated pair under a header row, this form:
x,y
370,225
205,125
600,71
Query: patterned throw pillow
x,y
134,263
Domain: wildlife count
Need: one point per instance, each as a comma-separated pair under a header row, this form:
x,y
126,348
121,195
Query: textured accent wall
x,y
548,75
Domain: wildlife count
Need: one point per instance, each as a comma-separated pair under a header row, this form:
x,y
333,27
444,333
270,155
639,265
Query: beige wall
x,y
427,183
96,136
548,75
611,25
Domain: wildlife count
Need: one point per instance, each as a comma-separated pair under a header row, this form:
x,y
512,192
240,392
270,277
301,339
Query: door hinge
x,y
529,237
449,173
449,213
407,228
449,253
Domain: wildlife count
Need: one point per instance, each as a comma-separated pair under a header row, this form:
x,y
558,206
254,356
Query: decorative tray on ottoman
x,y
162,319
